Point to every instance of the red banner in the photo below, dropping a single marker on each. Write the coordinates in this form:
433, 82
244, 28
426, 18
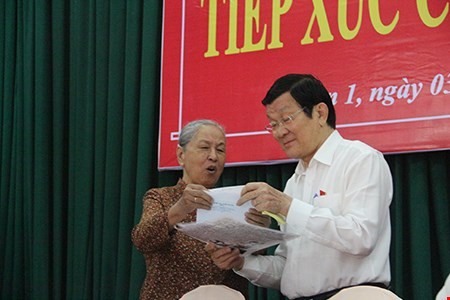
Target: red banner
385, 63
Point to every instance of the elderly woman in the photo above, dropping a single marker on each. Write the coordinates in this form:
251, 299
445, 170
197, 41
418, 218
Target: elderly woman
175, 262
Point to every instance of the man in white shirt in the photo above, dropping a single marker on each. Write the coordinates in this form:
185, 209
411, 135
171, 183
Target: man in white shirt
337, 201
444, 292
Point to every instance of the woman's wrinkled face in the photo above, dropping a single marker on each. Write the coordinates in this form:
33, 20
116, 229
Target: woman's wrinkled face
203, 158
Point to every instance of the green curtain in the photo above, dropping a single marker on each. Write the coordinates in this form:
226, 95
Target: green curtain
79, 115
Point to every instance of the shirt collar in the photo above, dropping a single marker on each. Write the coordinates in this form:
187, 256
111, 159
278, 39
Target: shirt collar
325, 153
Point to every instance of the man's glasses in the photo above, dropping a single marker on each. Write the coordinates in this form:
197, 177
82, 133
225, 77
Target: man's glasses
275, 125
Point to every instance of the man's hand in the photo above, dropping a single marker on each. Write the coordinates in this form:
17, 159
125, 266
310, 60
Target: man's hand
265, 198
255, 217
225, 258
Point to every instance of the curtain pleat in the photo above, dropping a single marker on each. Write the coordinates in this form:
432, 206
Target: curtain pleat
420, 223
147, 145
8, 162
79, 119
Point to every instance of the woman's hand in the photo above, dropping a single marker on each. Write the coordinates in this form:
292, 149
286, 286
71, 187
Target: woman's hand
194, 196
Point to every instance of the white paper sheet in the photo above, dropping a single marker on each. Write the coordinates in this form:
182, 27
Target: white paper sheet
224, 205
225, 224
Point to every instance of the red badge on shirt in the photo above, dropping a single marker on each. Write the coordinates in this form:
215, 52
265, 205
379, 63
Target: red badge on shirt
322, 193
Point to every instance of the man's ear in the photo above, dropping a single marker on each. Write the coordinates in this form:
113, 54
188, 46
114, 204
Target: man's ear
322, 110
180, 155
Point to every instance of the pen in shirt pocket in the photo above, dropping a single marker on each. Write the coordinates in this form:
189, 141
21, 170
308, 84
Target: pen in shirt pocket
314, 197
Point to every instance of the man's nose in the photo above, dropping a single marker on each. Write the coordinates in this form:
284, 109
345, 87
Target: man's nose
280, 131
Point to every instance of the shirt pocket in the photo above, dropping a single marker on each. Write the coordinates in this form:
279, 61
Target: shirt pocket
330, 201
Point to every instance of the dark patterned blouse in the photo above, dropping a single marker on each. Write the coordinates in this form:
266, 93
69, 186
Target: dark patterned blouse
175, 262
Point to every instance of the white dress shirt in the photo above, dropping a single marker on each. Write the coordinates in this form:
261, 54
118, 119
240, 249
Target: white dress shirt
341, 212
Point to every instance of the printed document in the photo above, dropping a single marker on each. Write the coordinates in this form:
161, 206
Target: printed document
224, 224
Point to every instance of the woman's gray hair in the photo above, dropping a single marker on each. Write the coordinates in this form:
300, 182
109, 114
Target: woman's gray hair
190, 130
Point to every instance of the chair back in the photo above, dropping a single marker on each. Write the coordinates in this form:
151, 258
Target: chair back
365, 292
213, 292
